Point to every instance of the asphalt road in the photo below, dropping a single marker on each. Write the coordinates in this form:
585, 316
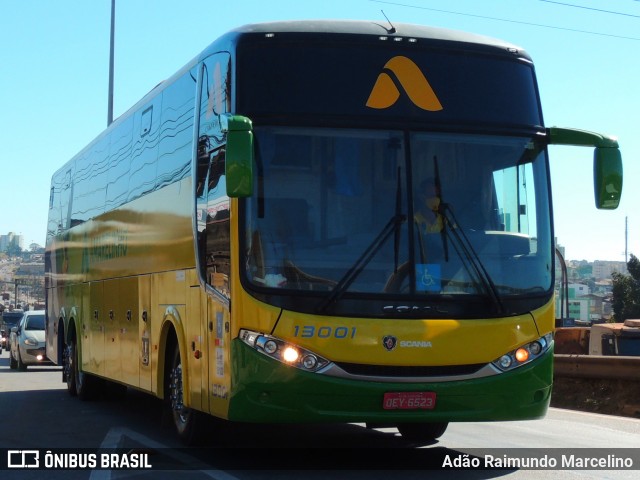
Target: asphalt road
38, 414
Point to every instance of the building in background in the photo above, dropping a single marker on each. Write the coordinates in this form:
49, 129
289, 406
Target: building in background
10, 239
603, 269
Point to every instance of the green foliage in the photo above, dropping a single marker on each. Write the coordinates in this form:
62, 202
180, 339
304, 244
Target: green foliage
626, 292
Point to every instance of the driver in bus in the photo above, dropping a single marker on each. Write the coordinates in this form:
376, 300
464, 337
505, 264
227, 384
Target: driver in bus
427, 214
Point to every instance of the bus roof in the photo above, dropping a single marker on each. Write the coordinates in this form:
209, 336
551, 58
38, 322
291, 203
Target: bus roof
434, 35
361, 27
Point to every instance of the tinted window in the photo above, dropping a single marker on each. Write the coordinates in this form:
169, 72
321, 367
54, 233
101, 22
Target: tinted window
35, 322
119, 161
176, 131
142, 172
425, 85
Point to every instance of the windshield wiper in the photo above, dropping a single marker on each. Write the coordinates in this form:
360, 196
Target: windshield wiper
364, 259
465, 251
464, 248
393, 226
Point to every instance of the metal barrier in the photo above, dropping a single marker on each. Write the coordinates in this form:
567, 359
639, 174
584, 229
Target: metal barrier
597, 366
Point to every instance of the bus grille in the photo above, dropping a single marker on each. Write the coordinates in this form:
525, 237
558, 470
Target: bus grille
411, 371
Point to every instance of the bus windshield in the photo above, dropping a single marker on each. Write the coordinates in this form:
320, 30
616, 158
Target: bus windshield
342, 215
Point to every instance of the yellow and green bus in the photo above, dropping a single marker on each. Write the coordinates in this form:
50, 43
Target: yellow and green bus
319, 221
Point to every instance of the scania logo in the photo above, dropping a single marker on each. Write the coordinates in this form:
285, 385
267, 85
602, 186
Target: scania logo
389, 342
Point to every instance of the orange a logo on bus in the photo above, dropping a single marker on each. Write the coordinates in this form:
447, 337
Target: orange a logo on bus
404, 72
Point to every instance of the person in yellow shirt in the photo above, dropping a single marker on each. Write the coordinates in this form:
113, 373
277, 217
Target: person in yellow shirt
427, 214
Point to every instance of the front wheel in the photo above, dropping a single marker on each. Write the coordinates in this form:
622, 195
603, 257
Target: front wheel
13, 364
185, 420
21, 365
422, 432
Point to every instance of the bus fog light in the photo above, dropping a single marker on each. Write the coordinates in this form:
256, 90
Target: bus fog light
505, 361
290, 355
270, 347
535, 348
309, 362
282, 351
524, 354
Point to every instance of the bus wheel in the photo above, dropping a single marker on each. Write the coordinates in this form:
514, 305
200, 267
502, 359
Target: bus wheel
68, 365
83, 385
185, 420
422, 432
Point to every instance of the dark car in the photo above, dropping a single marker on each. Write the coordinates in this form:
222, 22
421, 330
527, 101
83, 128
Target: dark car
8, 320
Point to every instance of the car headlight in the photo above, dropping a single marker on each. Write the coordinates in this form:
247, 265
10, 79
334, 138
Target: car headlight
285, 352
31, 342
524, 354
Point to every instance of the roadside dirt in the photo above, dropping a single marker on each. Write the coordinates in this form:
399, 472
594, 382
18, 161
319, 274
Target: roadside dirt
610, 397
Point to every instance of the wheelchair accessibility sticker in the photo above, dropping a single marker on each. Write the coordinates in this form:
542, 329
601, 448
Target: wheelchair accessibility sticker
428, 277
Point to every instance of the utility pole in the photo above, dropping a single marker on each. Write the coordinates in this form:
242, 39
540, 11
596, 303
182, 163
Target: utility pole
110, 94
626, 239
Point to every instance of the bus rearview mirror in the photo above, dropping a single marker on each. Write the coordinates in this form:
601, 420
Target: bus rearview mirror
607, 177
607, 162
239, 155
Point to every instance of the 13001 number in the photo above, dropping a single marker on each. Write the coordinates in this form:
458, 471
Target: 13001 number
311, 331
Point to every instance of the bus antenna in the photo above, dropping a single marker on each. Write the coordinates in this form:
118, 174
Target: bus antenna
389, 30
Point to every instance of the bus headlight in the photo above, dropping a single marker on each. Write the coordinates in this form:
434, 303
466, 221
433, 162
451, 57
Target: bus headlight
284, 352
524, 354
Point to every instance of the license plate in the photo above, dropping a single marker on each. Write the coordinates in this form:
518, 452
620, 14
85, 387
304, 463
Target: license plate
409, 401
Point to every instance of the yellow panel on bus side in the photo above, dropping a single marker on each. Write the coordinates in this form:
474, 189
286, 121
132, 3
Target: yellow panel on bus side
195, 344
168, 293
219, 347
94, 354
127, 319
144, 329
112, 364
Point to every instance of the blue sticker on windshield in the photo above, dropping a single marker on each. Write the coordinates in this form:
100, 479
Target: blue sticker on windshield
428, 277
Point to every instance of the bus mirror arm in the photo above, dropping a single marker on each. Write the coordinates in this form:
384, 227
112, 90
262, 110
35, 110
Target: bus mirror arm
607, 162
239, 155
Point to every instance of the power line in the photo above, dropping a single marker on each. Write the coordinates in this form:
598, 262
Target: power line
531, 24
590, 8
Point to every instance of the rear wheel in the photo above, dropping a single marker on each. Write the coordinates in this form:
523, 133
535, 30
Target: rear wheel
83, 385
422, 432
185, 420
68, 364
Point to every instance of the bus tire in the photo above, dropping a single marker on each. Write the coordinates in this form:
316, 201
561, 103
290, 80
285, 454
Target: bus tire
185, 420
80, 384
422, 432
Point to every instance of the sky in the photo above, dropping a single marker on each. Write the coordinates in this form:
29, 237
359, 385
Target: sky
54, 81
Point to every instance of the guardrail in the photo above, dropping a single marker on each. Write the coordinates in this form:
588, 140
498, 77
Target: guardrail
597, 367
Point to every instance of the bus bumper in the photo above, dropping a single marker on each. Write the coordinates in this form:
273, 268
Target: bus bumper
264, 390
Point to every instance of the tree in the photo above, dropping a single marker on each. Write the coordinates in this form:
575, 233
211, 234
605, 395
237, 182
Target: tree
626, 292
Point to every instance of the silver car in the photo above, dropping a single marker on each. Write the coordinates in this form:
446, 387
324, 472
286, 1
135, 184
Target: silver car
28, 342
